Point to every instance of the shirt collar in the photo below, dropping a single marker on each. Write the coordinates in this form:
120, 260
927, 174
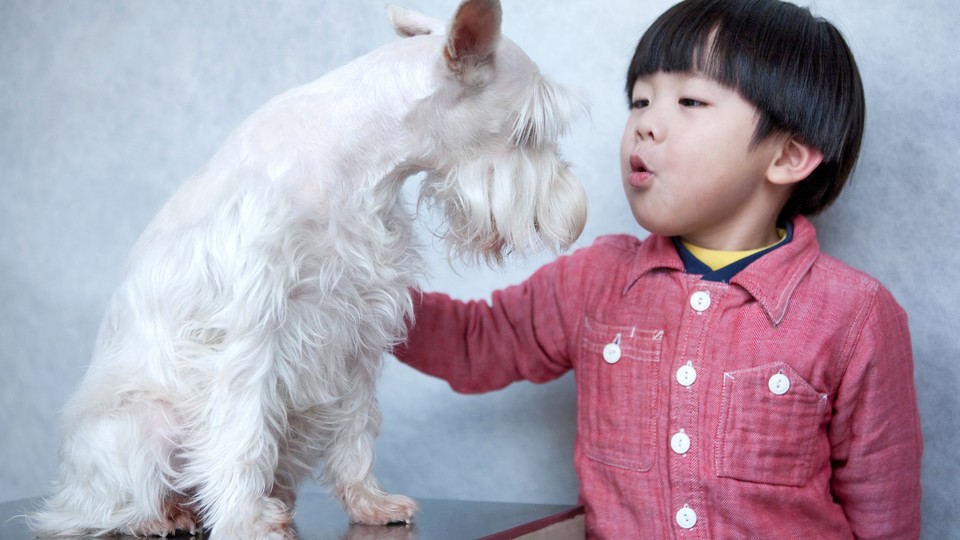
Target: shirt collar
771, 279
693, 265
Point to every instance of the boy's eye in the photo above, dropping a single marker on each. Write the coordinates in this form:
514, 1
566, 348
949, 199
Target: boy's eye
639, 103
690, 102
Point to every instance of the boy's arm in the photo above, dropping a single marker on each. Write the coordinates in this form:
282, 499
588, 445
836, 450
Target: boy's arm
479, 347
875, 432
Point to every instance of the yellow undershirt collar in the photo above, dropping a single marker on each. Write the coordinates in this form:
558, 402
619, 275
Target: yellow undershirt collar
717, 259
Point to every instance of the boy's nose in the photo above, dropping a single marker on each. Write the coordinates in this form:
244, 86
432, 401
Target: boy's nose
649, 127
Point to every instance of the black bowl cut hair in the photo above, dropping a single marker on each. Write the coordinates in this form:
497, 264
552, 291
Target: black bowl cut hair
795, 68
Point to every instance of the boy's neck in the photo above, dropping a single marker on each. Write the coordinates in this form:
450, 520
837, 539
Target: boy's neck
742, 239
717, 259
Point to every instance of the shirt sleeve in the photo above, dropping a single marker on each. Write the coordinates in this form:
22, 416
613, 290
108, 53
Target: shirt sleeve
522, 334
875, 432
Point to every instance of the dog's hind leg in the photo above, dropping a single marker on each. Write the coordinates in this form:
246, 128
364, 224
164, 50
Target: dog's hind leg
349, 459
115, 469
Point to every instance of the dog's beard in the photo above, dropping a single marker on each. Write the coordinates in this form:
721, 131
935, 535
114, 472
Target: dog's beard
520, 200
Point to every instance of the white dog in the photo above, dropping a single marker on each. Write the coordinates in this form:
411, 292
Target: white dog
243, 344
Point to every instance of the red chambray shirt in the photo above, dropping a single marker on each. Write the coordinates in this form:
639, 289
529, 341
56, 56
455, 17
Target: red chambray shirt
780, 405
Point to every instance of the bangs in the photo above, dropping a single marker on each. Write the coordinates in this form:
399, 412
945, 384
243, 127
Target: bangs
677, 42
774, 54
796, 69
720, 41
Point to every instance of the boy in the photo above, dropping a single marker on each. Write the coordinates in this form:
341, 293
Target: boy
732, 381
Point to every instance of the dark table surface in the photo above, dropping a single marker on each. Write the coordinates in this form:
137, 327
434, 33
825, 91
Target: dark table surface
320, 518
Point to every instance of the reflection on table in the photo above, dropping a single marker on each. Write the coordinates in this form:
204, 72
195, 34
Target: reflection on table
320, 518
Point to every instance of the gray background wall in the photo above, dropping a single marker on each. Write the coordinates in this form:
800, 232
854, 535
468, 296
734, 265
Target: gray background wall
107, 105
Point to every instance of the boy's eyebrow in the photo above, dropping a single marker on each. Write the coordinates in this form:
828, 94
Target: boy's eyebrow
700, 78
694, 76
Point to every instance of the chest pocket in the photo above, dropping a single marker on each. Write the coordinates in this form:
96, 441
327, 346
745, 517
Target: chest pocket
769, 424
618, 394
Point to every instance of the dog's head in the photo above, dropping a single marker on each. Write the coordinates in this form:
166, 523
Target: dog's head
487, 137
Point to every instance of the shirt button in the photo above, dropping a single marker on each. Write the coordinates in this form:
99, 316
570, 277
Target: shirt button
700, 301
686, 517
686, 375
680, 443
611, 353
779, 384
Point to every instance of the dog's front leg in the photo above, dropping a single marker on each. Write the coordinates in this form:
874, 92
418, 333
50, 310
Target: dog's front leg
232, 450
349, 459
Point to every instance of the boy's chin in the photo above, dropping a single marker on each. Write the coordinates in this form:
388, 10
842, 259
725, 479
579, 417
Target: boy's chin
650, 224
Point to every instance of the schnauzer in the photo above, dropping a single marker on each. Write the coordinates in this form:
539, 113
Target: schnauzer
243, 344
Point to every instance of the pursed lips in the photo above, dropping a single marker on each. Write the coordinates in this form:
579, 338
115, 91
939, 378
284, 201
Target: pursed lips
640, 174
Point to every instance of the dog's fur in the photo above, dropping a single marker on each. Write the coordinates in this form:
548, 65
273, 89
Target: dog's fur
243, 344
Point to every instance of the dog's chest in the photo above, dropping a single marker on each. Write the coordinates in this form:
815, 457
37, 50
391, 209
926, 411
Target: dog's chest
349, 303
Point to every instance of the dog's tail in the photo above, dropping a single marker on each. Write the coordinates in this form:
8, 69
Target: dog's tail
64, 515
59, 517
82, 509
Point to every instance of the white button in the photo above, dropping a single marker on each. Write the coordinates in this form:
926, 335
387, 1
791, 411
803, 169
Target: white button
686, 375
680, 443
686, 517
700, 301
611, 353
779, 384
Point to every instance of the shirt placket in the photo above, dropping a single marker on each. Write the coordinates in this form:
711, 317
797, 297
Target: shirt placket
687, 391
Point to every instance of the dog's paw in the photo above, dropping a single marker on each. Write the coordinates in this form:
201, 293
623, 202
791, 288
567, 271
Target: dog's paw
378, 508
266, 519
166, 527
258, 531
179, 517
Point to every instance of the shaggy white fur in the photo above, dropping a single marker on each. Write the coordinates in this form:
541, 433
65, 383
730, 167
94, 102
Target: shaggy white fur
243, 345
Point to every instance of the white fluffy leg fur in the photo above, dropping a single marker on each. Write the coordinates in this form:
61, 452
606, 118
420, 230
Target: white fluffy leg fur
349, 461
117, 470
228, 464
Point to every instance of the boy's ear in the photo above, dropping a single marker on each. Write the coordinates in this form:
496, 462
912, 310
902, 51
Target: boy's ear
794, 162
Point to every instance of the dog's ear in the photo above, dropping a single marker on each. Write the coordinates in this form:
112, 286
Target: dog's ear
408, 23
473, 35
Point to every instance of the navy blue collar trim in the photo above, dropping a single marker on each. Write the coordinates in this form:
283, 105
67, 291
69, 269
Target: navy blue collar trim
693, 265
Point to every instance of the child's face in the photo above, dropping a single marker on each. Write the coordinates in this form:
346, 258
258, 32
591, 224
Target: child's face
689, 168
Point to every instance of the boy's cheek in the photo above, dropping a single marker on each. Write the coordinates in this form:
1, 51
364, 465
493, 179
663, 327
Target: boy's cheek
626, 148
